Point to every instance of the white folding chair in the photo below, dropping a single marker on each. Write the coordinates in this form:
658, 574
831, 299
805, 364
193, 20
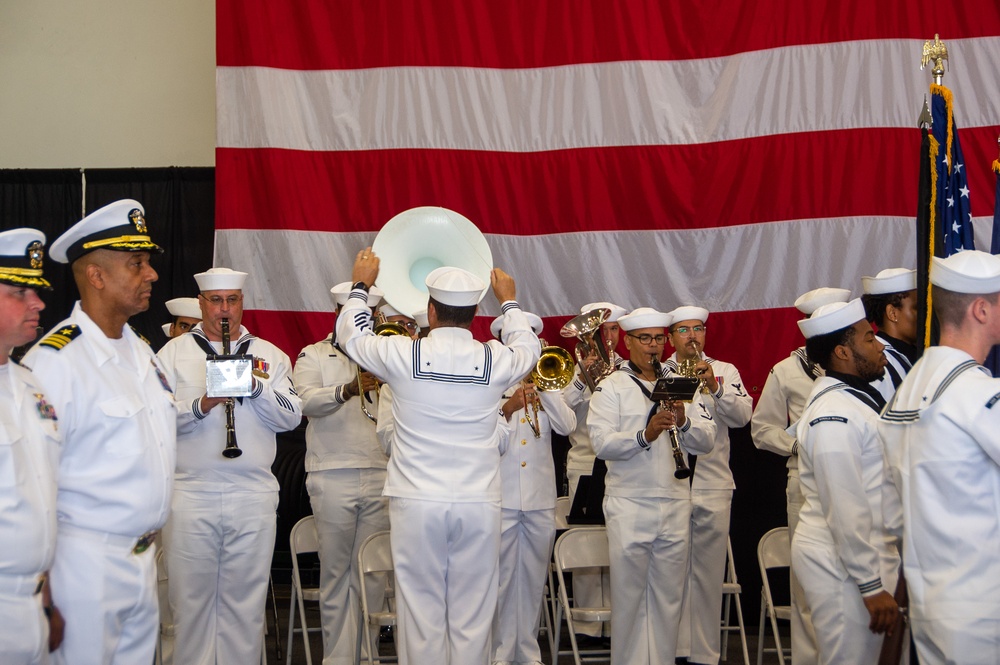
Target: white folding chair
580, 547
773, 551
303, 540
549, 601
374, 556
731, 589
562, 512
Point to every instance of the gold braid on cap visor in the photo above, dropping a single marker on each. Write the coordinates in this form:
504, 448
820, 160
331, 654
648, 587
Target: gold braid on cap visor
136, 241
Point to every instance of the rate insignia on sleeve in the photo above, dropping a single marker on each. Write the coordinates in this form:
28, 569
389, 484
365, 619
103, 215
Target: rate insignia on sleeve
61, 337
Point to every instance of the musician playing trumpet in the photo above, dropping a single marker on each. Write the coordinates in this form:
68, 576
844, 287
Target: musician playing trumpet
712, 483
647, 508
528, 501
221, 530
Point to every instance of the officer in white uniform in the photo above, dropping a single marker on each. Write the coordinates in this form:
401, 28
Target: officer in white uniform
647, 509
591, 588
528, 525
29, 456
186, 313
117, 421
346, 474
444, 472
712, 485
841, 552
221, 531
943, 455
890, 300
779, 405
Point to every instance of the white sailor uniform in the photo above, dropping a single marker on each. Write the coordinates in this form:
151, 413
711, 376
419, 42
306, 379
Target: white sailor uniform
29, 456
443, 475
779, 405
841, 550
528, 527
711, 503
220, 536
346, 475
117, 421
896, 368
648, 514
943, 457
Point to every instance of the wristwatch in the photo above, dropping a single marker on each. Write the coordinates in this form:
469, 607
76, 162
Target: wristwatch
360, 285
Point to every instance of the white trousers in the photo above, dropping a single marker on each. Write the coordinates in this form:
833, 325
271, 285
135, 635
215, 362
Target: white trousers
24, 630
699, 637
107, 595
838, 611
957, 641
446, 560
805, 645
348, 507
591, 586
526, 539
218, 552
648, 547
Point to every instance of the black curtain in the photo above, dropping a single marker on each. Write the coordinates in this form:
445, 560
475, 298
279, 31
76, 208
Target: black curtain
180, 214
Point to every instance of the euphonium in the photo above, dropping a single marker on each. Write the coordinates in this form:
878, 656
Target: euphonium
383, 328
681, 469
232, 449
587, 329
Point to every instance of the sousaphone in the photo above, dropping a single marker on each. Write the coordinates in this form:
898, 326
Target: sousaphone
418, 240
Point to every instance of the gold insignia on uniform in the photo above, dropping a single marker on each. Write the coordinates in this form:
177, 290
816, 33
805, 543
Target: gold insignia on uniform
36, 252
135, 216
60, 338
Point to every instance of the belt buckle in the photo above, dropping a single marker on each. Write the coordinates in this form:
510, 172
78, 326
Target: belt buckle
144, 542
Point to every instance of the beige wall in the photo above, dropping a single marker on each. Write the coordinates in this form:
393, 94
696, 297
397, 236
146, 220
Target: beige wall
107, 83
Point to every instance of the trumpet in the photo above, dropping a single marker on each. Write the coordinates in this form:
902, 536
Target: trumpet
553, 371
587, 329
531, 399
687, 366
383, 328
681, 469
232, 449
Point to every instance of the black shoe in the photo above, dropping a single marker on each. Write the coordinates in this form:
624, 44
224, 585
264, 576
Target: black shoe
385, 634
590, 642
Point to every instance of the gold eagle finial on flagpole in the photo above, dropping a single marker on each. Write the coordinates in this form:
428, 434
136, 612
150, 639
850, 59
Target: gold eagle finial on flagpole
934, 53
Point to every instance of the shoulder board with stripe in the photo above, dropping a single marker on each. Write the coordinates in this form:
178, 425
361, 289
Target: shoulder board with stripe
61, 337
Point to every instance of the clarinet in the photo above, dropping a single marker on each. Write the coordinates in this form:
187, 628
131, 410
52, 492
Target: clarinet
681, 471
232, 449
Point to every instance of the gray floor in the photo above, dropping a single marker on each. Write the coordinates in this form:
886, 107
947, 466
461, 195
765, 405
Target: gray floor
282, 593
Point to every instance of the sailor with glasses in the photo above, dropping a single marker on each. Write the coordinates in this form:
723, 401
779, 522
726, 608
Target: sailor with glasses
647, 508
221, 531
711, 484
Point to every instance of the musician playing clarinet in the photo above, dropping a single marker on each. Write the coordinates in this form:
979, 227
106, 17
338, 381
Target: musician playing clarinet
647, 505
221, 530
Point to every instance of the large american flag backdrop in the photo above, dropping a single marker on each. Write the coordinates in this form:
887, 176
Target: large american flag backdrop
731, 154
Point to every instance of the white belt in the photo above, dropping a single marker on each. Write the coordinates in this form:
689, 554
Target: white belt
135, 544
21, 585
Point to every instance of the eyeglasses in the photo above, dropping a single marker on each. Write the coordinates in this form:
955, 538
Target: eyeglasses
646, 338
684, 330
216, 301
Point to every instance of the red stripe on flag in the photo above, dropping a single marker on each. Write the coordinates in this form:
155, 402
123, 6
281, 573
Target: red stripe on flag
771, 333
776, 178
323, 34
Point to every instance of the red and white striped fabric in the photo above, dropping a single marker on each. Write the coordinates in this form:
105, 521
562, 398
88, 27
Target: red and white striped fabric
726, 154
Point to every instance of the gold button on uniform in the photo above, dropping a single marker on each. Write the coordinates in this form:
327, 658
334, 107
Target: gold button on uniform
522, 420
524, 464
524, 442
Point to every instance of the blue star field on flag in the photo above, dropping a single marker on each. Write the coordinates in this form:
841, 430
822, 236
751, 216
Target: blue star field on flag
954, 214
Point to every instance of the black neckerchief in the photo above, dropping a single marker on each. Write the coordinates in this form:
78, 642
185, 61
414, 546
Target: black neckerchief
910, 352
856, 385
812, 370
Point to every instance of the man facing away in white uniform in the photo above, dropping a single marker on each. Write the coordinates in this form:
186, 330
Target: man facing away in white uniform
116, 417
220, 536
841, 552
346, 475
712, 485
443, 479
29, 457
779, 405
942, 451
